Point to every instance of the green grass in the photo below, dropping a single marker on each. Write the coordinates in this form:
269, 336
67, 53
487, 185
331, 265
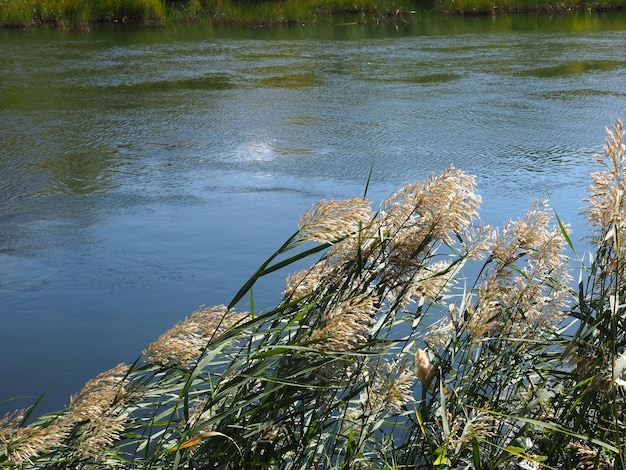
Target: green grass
495, 6
383, 353
270, 12
79, 14
526, 6
83, 14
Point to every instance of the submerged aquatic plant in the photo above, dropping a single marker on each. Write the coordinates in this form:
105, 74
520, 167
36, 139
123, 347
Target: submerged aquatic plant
381, 354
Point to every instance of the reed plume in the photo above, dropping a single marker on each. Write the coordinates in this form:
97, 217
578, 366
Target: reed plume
330, 221
606, 208
347, 325
95, 417
525, 291
186, 340
21, 445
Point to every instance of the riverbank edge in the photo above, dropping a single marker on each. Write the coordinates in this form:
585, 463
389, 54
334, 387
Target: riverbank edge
149, 14
495, 7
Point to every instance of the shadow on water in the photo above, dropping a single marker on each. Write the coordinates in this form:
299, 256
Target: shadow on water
209, 81
575, 67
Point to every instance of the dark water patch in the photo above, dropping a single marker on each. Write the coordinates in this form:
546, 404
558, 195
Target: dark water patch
78, 173
216, 81
290, 80
435, 78
573, 68
548, 159
246, 189
577, 94
303, 120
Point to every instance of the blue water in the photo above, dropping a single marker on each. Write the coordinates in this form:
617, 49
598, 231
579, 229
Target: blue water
146, 173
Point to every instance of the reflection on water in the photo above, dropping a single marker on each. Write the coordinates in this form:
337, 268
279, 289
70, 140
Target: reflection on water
145, 173
205, 82
575, 67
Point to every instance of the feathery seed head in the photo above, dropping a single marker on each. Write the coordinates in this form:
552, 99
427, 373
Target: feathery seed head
97, 435
606, 210
330, 221
20, 445
445, 204
10, 422
185, 341
424, 367
416, 220
526, 290
98, 395
440, 334
399, 385
466, 427
318, 278
431, 281
94, 409
476, 242
607, 206
390, 389
346, 326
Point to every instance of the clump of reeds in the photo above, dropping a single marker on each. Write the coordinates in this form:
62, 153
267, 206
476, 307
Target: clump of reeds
86, 431
494, 7
82, 14
274, 12
382, 354
79, 14
591, 401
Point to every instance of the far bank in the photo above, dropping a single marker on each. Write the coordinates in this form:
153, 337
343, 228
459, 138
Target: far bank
84, 14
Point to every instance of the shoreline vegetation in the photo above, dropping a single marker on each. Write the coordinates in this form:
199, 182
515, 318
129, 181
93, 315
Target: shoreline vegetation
83, 14
383, 353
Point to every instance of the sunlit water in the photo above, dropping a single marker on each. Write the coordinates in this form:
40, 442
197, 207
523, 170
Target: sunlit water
146, 173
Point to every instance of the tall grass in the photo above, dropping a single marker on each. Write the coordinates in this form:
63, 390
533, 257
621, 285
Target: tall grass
79, 14
82, 14
525, 6
268, 12
382, 353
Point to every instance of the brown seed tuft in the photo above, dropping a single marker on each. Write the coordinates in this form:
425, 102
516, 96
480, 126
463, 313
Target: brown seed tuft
186, 340
346, 326
331, 221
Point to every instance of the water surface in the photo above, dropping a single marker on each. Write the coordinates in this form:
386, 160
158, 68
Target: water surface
146, 173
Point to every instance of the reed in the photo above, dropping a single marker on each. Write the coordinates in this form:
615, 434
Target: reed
525, 6
270, 12
17, 13
78, 14
382, 353
82, 14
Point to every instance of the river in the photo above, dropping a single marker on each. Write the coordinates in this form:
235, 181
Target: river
144, 173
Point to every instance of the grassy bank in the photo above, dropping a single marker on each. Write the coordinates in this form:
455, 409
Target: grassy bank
382, 353
526, 6
78, 14
82, 14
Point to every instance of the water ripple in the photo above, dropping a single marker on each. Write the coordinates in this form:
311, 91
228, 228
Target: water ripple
150, 171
